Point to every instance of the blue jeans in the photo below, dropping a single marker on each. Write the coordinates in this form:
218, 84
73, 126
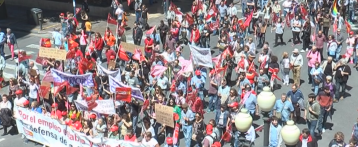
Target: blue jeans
351, 15
134, 123
137, 16
236, 139
338, 52
187, 132
2, 53
312, 124
315, 86
99, 55
213, 102
201, 94
243, 8
322, 119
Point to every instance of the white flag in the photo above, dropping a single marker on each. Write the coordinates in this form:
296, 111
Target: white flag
201, 56
115, 74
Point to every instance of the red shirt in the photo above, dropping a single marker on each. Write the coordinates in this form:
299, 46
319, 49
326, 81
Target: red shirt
148, 43
98, 44
110, 53
58, 113
132, 139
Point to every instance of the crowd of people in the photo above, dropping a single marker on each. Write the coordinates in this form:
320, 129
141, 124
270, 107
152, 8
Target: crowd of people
165, 77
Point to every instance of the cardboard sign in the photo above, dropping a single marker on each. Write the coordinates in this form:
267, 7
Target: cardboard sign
164, 115
124, 94
131, 47
53, 53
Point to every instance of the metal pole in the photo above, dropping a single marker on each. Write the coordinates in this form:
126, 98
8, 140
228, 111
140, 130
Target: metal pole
74, 8
266, 119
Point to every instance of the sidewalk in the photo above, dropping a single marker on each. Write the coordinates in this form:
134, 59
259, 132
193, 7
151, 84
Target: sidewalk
17, 21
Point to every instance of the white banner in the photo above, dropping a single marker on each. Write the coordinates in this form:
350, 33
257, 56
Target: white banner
113, 84
103, 106
50, 132
115, 74
201, 56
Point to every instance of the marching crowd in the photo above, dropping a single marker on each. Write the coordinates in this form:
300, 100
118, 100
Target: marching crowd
165, 77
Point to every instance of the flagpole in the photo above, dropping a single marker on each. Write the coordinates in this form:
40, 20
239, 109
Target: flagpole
116, 45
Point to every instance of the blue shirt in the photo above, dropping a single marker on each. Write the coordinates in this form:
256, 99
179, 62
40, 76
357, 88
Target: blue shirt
182, 87
38, 109
198, 82
250, 103
319, 71
285, 108
225, 91
163, 82
243, 83
189, 114
295, 96
57, 38
2, 38
275, 135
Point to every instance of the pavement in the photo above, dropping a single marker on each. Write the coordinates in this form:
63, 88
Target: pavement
344, 111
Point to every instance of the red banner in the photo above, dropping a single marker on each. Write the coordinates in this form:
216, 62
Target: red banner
123, 94
44, 90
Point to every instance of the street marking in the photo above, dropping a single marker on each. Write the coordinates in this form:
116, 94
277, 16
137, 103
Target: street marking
2, 139
33, 46
8, 76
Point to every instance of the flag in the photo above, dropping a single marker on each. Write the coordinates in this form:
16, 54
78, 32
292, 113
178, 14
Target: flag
186, 67
138, 55
226, 136
70, 89
78, 10
274, 72
241, 24
348, 26
176, 133
44, 90
216, 59
72, 44
248, 20
41, 60
190, 97
335, 26
288, 18
47, 77
157, 70
197, 107
173, 86
22, 56
59, 87
304, 12
129, 2
122, 54
175, 9
189, 18
150, 31
215, 25
201, 56
111, 20
334, 9
124, 94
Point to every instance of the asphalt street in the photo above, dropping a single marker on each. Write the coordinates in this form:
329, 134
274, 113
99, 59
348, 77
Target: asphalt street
344, 112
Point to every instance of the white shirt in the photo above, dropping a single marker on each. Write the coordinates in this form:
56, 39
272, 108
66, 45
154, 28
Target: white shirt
33, 88
18, 101
119, 13
151, 130
7, 104
151, 143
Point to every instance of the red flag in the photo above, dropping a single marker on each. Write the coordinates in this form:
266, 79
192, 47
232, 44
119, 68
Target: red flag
44, 90
123, 55
91, 102
145, 105
71, 55
303, 12
173, 87
190, 97
348, 26
138, 55
150, 31
288, 18
190, 19
248, 20
59, 87
72, 44
274, 72
78, 10
129, 2
111, 20
215, 25
226, 136
176, 133
48, 77
22, 56
335, 27
70, 89
124, 94
41, 60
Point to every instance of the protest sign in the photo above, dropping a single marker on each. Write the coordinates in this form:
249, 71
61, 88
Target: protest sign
164, 115
123, 94
131, 47
115, 74
113, 84
51, 132
59, 77
58, 54
103, 106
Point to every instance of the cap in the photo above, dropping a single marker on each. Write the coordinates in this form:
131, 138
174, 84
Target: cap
216, 144
234, 104
209, 129
197, 72
18, 92
111, 57
73, 115
185, 105
169, 140
64, 113
114, 128
54, 105
78, 126
93, 116
62, 14
88, 54
351, 33
26, 102
252, 54
295, 50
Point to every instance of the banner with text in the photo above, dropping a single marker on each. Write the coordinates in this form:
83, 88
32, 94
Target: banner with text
113, 84
59, 77
48, 131
103, 106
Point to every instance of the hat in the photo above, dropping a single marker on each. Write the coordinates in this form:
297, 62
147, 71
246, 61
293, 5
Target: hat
209, 129
62, 14
26, 102
351, 33
64, 113
93, 116
18, 92
114, 128
73, 115
197, 72
169, 140
111, 57
295, 50
88, 54
216, 144
54, 105
234, 104
329, 77
184, 106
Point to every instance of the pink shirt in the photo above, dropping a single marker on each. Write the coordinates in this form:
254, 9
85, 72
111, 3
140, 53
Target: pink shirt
350, 41
315, 57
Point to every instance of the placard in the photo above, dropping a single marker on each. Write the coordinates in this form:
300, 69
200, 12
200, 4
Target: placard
164, 115
131, 47
58, 54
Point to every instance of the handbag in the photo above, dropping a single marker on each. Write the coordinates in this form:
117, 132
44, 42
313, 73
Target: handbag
279, 114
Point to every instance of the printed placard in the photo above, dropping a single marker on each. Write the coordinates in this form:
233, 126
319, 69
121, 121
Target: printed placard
58, 54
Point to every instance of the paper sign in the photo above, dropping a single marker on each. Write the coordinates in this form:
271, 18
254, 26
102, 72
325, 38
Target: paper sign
164, 115
131, 47
53, 53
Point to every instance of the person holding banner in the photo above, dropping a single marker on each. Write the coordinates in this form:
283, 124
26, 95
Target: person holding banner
114, 133
5, 114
